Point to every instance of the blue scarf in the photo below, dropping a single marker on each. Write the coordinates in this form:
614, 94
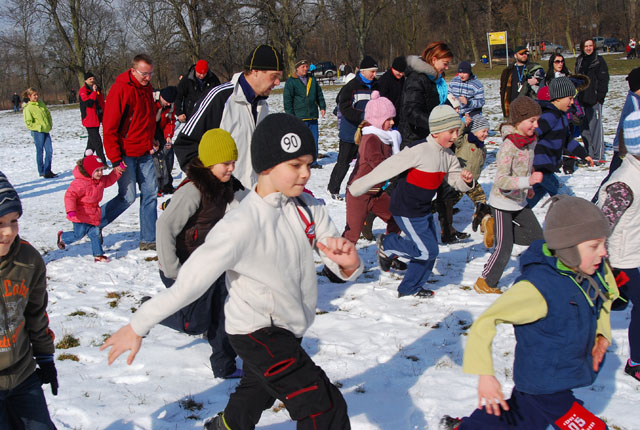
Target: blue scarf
473, 139
366, 81
443, 89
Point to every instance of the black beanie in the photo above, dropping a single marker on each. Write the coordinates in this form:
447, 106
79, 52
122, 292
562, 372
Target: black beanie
88, 75
9, 200
169, 94
368, 63
399, 64
280, 137
264, 57
634, 79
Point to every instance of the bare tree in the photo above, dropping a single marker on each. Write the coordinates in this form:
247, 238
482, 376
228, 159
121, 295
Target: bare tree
20, 14
361, 14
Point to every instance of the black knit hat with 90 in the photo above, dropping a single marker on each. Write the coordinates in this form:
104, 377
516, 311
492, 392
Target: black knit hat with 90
264, 57
280, 137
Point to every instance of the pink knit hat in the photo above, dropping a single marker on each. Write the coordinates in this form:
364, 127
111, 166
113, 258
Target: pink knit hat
91, 163
378, 110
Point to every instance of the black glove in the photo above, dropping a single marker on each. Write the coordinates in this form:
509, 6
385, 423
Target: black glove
47, 372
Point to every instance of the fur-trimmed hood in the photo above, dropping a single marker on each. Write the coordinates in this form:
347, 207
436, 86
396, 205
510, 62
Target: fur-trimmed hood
580, 81
418, 65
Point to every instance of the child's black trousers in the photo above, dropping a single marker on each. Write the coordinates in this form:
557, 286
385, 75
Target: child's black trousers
276, 367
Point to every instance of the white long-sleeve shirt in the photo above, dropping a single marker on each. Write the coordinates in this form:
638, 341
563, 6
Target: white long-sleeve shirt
269, 264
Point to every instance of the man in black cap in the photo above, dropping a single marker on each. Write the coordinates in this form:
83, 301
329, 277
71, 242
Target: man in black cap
236, 106
513, 79
91, 108
391, 82
352, 99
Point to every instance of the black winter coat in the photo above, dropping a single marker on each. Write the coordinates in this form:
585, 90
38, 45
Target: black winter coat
391, 88
419, 97
598, 74
189, 91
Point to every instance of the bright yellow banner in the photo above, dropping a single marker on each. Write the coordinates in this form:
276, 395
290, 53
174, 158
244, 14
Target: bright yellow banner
498, 38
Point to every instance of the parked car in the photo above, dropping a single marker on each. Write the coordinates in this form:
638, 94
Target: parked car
501, 53
613, 44
325, 69
599, 40
551, 48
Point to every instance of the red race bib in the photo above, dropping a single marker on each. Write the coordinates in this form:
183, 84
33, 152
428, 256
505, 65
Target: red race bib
578, 418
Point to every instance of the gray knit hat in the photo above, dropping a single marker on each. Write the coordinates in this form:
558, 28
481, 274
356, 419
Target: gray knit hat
523, 108
570, 221
479, 122
443, 118
561, 87
9, 199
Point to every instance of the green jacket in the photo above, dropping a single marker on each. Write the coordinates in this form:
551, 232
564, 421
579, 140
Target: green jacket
37, 117
470, 156
24, 324
303, 100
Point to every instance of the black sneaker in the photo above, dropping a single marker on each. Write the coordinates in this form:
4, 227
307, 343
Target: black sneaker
422, 293
50, 175
398, 265
216, 423
384, 262
633, 371
449, 423
460, 235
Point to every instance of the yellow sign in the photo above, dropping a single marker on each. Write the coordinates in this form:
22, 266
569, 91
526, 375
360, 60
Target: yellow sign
498, 38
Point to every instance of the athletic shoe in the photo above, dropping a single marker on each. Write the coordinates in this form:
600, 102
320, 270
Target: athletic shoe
399, 265
460, 235
633, 371
449, 423
50, 175
384, 262
422, 293
147, 246
332, 276
61, 244
216, 423
336, 196
482, 287
488, 224
101, 259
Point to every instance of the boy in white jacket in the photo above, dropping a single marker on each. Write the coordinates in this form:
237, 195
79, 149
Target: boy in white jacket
266, 248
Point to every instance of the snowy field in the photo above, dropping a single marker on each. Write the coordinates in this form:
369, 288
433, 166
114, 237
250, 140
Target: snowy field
397, 361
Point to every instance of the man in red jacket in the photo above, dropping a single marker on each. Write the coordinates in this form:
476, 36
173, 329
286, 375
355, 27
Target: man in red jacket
91, 109
128, 127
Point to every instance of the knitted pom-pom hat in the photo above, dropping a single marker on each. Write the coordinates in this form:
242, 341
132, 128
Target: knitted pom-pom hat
378, 110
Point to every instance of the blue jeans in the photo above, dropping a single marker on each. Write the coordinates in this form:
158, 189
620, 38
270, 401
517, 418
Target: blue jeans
25, 407
420, 245
313, 126
139, 171
16, 108
81, 230
549, 184
43, 143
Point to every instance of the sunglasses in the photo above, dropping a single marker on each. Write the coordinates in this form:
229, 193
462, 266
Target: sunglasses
558, 61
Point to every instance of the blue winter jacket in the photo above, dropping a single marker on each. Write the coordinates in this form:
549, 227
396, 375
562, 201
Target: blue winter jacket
554, 353
553, 136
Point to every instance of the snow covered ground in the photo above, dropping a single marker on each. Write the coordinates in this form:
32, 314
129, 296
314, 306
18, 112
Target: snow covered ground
398, 361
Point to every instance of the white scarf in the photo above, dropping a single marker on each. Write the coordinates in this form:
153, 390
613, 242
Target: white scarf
391, 137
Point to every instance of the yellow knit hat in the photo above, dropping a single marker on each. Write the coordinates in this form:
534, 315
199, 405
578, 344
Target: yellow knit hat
217, 146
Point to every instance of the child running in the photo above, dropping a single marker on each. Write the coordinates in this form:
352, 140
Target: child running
559, 307
26, 341
376, 142
513, 220
266, 247
82, 203
198, 204
428, 163
620, 203
554, 135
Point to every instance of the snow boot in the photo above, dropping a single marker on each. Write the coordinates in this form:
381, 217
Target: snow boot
449, 423
482, 287
101, 259
61, 244
367, 226
482, 209
488, 224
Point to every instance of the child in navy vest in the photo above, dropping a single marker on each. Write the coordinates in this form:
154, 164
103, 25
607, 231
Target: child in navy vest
559, 307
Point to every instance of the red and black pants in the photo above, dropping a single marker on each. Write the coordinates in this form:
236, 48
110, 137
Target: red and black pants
276, 367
